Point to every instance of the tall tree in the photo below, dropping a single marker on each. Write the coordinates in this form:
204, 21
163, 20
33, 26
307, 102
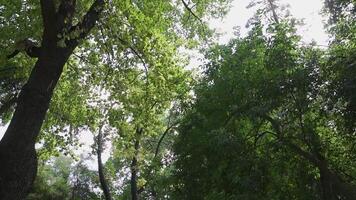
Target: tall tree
63, 26
259, 107
17, 147
101, 171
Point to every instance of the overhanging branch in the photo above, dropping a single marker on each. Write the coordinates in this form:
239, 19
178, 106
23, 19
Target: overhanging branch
28, 46
276, 126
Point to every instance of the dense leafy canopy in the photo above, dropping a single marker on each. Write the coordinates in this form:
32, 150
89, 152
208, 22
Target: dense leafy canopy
267, 118
270, 119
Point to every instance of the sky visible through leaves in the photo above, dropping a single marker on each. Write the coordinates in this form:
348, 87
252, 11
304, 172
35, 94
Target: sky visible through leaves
312, 30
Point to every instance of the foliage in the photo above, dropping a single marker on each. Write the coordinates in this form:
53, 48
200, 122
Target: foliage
269, 118
260, 109
60, 179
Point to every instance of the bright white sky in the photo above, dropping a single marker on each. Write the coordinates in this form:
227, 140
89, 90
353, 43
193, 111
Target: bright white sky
309, 10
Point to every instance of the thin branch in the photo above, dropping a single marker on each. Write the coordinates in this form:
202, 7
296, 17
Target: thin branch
81, 58
163, 136
13, 54
132, 49
275, 16
191, 11
292, 146
109, 51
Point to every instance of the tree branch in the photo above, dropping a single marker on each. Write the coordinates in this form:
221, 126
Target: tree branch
190, 11
88, 21
307, 155
28, 46
48, 11
163, 136
273, 7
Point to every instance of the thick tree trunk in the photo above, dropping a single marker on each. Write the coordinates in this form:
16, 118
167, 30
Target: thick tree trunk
17, 148
102, 179
18, 161
333, 186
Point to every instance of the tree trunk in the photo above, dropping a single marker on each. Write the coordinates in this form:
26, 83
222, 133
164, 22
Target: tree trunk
134, 170
17, 148
333, 186
18, 158
134, 166
102, 179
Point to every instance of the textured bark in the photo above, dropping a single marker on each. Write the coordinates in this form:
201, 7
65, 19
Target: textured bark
18, 159
102, 179
17, 148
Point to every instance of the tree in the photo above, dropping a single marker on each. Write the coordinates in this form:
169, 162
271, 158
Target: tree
139, 114
17, 147
341, 62
64, 24
259, 109
52, 181
60, 178
84, 183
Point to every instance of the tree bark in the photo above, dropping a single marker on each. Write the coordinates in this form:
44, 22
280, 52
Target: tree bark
134, 166
17, 148
18, 158
102, 179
